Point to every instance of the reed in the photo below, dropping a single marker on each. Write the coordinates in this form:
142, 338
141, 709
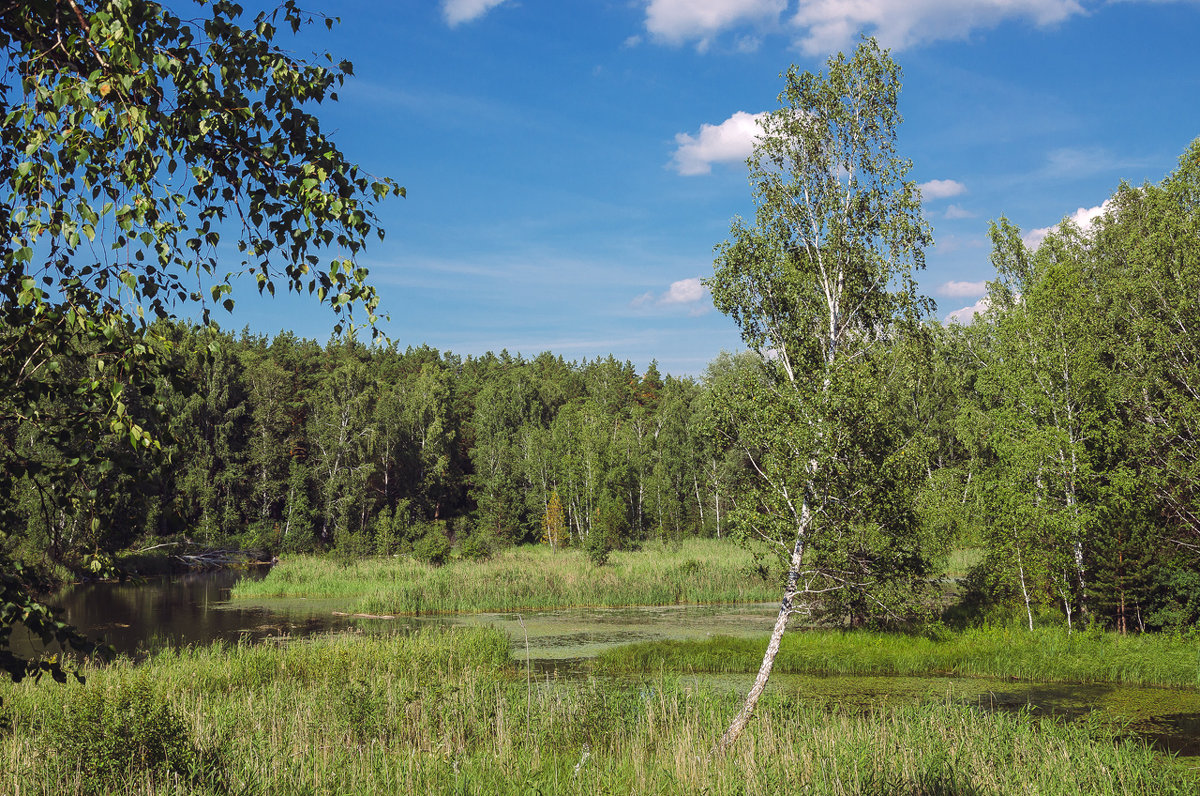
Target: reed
697, 571
446, 711
1049, 655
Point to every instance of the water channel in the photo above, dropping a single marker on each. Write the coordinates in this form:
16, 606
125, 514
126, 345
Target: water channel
195, 609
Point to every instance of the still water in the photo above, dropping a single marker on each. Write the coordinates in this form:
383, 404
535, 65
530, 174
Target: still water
195, 609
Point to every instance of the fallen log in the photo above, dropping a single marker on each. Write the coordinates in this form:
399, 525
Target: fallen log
364, 616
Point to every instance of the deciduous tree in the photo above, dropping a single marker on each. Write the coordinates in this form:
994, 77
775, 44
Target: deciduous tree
819, 284
136, 141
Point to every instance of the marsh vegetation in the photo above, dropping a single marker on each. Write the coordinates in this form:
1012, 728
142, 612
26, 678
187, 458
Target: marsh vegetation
447, 711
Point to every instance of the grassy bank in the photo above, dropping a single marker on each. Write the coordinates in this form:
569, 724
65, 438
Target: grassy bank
446, 712
524, 578
1045, 655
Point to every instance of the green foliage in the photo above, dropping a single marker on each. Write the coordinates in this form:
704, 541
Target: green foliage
433, 547
112, 737
476, 545
441, 711
18, 606
1176, 604
1076, 417
131, 135
823, 290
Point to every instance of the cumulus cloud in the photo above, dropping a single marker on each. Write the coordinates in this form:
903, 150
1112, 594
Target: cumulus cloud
688, 293
957, 289
829, 25
941, 189
967, 314
956, 211
731, 140
676, 21
1083, 218
457, 12
821, 27
685, 291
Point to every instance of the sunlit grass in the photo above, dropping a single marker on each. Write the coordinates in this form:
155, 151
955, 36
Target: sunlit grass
1043, 655
962, 560
698, 571
442, 712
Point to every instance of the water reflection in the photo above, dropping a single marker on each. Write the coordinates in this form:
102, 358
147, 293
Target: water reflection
172, 611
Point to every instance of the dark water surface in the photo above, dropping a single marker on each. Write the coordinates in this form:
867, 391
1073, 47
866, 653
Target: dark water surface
195, 609
174, 611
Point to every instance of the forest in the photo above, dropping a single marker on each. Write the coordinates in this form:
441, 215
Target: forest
1056, 435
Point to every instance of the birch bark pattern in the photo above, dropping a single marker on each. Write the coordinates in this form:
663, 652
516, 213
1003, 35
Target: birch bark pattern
740, 721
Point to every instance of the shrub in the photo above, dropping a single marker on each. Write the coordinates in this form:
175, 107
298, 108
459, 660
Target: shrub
112, 736
477, 546
433, 547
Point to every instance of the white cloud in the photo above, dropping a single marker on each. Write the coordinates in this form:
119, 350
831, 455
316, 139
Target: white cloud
457, 12
957, 289
676, 21
1034, 237
830, 25
941, 189
822, 27
689, 293
685, 291
1083, 218
956, 211
967, 314
731, 140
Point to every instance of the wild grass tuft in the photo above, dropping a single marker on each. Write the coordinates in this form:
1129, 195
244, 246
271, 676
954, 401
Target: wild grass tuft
525, 578
1049, 655
446, 711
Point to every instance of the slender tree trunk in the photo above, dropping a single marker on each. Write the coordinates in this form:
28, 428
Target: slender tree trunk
768, 662
1066, 598
1024, 588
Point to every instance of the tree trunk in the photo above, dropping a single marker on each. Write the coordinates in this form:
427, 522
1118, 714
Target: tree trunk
1024, 589
768, 662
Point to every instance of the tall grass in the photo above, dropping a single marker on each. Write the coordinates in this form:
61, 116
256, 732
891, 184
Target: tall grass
442, 712
525, 578
1045, 655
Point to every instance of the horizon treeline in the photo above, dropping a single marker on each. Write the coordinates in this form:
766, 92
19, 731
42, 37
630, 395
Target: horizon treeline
1058, 434
288, 445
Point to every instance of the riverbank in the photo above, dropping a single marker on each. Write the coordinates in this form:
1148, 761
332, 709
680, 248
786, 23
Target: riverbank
1048, 655
697, 571
448, 711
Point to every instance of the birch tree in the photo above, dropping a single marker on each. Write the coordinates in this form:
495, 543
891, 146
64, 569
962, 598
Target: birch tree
817, 283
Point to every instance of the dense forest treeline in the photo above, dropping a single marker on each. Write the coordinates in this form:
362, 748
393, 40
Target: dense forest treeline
289, 445
1059, 433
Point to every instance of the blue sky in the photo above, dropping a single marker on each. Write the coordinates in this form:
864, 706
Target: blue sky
571, 165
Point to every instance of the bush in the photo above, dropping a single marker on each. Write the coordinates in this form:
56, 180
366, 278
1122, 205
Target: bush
477, 546
597, 546
433, 547
112, 736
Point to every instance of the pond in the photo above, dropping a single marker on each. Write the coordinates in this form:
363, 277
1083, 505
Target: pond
194, 609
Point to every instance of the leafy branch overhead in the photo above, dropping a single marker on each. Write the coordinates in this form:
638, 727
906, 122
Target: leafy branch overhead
134, 141
137, 143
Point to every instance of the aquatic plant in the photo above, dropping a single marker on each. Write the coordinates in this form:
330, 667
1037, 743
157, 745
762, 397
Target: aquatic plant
447, 711
694, 572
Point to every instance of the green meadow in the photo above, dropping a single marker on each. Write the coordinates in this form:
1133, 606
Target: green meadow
695, 571
1047, 655
448, 712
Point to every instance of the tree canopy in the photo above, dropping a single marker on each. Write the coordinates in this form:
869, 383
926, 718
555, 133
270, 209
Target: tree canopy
822, 286
138, 141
